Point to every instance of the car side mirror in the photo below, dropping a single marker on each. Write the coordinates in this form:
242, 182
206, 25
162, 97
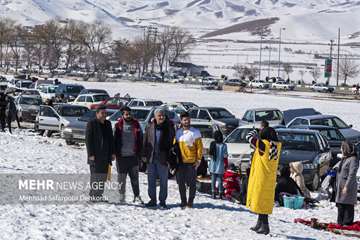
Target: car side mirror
350, 126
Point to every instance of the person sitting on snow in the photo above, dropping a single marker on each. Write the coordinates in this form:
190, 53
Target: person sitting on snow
285, 185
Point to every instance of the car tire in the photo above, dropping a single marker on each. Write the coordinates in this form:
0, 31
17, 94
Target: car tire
69, 142
315, 184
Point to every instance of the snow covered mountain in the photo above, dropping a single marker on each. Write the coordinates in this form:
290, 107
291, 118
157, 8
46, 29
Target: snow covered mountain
304, 20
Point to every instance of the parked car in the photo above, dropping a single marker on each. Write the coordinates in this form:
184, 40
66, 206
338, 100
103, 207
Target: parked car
31, 92
90, 91
259, 84
47, 91
87, 100
308, 147
111, 103
70, 91
239, 150
347, 131
23, 84
226, 121
144, 115
322, 87
333, 136
235, 82
145, 103
283, 85
27, 107
290, 114
55, 118
188, 105
75, 131
254, 116
151, 77
207, 130
211, 86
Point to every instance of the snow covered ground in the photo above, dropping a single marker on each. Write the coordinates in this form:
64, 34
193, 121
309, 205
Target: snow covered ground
25, 152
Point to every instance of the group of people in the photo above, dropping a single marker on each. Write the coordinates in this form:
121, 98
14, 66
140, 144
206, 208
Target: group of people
163, 148
8, 111
168, 150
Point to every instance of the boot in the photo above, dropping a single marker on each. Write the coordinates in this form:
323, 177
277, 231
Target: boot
264, 229
257, 226
213, 195
221, 196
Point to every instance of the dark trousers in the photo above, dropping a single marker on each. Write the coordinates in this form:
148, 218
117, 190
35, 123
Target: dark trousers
345, 214
97, 181
9, 120
2, 119
157, 170
128, 169
263, 218
186, 176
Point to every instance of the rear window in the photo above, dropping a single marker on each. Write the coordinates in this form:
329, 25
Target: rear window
298, 141
332, 135
154, 103
100, 98
73, 111
30, 101
73, 89
271, 115
238, 136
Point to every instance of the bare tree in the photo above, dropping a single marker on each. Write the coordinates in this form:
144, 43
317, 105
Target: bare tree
165, 43
315, 73
348, 69
288, 69
182, 40
243, 72
6, 27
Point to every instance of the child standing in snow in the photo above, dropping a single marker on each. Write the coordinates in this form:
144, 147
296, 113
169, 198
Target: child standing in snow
218, 152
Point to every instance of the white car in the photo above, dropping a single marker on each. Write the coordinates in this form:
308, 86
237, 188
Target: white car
322, 87
254, 116
259, 84
283, 85
239, 150
145, 103
87, 100
47, 91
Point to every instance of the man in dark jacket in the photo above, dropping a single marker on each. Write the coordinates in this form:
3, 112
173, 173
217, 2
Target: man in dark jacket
3, 104
128, 145
11, 112
158, 140
100, 149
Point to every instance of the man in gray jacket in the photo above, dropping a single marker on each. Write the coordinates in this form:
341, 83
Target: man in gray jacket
346, 184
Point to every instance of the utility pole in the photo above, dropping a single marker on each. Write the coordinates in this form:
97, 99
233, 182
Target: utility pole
261, 37
280, 52
338, 60
269, 60
331, 49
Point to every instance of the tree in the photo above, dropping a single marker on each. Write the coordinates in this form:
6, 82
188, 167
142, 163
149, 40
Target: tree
243, 72
315, 73
182, 40
164, 45
348, 69
288, 69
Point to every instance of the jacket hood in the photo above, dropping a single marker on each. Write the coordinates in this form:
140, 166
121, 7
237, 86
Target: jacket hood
297, 167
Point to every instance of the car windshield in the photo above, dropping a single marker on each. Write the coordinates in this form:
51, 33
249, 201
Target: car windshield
298, 141
30, 101
154, 103
100, 98
238, 136
52, 89
270, 115
205, 130
220, 113
73, 111
73, 89
331, 122
25, 84
331, 134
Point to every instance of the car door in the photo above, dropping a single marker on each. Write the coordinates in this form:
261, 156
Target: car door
193, 113
204, 115
89, 101
49, 119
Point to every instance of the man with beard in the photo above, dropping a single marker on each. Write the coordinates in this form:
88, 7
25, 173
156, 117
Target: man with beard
100, 149
128, 145
158, 140
191, 147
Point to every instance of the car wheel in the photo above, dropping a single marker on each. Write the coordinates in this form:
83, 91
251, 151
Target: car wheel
315, 184
69, 142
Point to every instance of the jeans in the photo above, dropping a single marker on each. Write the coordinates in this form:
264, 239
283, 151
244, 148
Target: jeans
134, 179
217, 178
186, 176
156, 170
345, 214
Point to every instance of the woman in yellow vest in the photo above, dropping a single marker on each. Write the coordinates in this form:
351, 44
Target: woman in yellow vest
263, 173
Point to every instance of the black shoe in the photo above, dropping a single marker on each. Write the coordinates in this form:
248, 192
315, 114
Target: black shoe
264, 229
221, 196
213, 196
256, 227
183, 205
139, 200
150, 204
163, 206
190, 205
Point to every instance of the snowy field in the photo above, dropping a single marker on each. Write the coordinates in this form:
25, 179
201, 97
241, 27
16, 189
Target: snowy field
25, 152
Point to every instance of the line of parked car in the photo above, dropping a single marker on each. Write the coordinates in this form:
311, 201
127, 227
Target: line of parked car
307, 135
